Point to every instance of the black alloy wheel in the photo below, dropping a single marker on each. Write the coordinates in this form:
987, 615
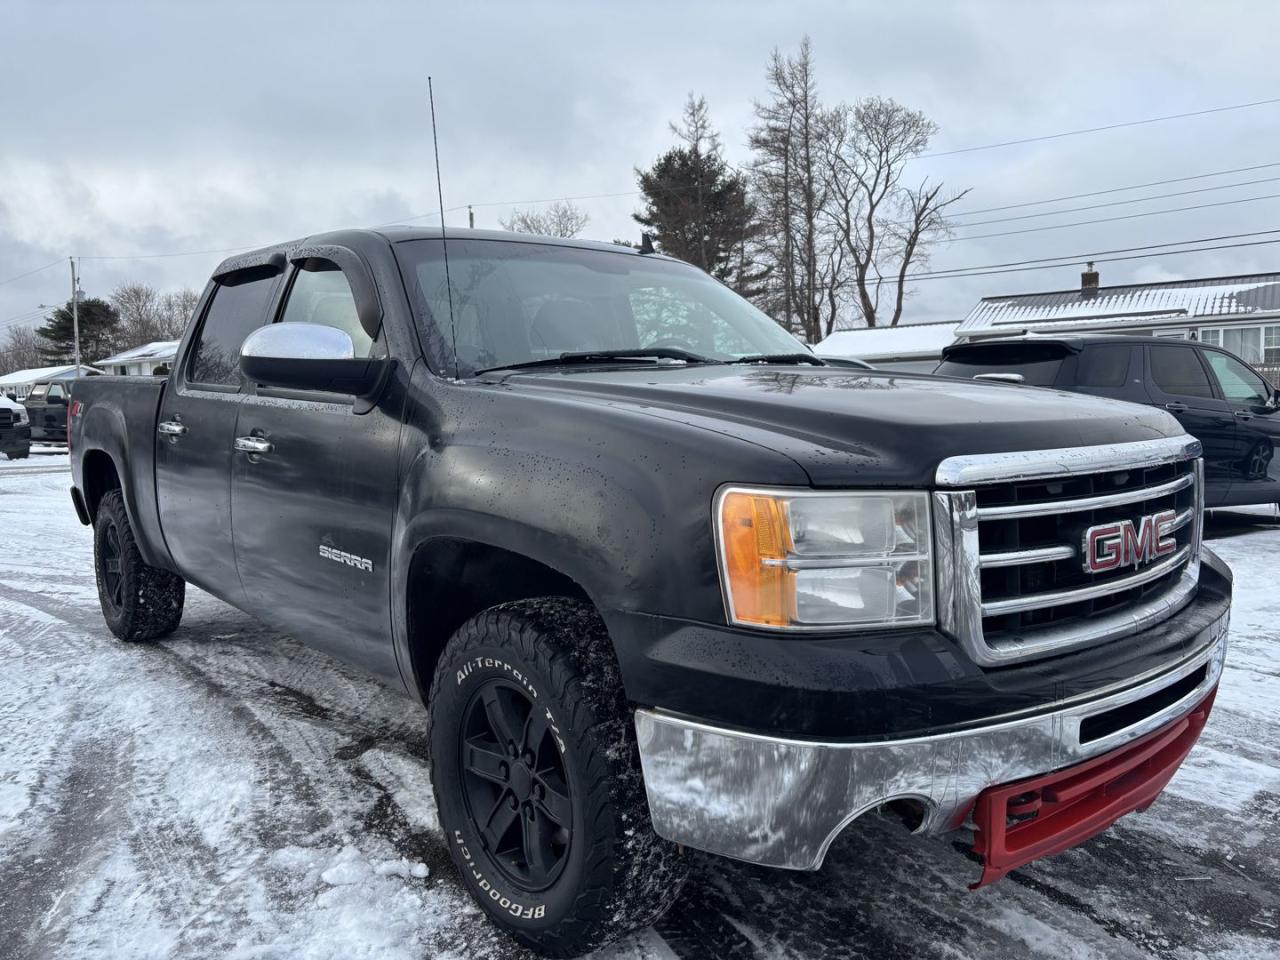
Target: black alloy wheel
514, 785
112, 572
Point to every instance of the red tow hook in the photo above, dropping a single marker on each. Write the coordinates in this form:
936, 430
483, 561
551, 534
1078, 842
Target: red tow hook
1038, 817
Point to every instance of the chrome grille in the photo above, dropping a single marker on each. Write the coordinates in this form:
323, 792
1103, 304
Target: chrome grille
1012, 582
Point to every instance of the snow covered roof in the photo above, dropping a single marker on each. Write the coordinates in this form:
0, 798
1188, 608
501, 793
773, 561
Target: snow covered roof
923, 340
156, 350
1142, 304
40, 374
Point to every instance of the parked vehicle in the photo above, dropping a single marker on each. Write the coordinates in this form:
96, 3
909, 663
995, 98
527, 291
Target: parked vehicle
47, 409
15, 431
1218, 398
659, 575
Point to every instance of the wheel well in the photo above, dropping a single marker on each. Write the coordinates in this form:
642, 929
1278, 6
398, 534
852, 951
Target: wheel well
451, 580
100, 475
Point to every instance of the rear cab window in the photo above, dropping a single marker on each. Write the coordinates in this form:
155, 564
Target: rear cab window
1038, 364
239, 307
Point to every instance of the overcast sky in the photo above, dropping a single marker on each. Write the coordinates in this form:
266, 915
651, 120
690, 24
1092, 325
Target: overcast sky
132, 128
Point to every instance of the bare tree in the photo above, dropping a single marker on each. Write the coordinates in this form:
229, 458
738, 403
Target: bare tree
790, 141
146, 315
20, 350
883, 226
561, 219
176, 308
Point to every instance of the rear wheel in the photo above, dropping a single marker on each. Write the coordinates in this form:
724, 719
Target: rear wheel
538, 783
139, 602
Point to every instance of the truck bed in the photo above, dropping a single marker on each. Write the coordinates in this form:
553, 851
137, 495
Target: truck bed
116, 416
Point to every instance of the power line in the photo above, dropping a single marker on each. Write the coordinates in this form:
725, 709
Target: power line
1100, 193
1097, 255
1130, 216
1119, 203
31, 272
183, 253
1109, 126
1135, 256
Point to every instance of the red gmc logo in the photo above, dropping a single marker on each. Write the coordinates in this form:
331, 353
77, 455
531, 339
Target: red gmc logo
1109, 546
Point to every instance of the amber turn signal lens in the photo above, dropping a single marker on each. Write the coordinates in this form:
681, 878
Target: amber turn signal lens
755, 529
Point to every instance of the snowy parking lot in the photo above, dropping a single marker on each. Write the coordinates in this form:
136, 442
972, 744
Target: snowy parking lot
229, 793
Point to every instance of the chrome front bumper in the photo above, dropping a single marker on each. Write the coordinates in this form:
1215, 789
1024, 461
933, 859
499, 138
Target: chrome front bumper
781, 803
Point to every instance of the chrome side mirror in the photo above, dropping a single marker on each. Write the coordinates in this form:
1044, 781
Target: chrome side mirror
308, 356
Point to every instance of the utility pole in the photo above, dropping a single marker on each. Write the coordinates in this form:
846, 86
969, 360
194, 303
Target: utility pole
471, 217
75, 310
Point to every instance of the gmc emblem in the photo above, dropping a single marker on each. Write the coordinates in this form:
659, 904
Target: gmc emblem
1109, 546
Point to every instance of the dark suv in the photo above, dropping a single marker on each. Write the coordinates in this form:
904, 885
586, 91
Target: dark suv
1218, 398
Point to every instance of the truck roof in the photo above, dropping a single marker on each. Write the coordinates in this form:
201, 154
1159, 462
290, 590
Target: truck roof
402, 234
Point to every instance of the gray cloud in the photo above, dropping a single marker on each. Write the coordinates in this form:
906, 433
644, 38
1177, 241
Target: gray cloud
138, 128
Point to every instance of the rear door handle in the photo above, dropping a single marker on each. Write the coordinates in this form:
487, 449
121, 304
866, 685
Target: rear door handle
171, 428
1243, 415
253, 445
1176, 407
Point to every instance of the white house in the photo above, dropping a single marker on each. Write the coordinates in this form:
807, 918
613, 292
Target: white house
1240, 314
915, 347
143, 361
20, 382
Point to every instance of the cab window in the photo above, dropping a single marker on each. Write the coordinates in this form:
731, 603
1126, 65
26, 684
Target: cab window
239, 307
320, 294
1239, 383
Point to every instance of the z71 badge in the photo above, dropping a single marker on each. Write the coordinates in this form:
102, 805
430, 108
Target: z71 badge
350, 559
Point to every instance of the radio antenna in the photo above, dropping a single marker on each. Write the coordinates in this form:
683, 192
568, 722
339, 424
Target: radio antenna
444, 242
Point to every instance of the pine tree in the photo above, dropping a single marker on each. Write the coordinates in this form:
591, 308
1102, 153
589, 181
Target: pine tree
697, 207
98, 322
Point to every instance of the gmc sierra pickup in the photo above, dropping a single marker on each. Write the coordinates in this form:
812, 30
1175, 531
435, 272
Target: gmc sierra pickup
660, 576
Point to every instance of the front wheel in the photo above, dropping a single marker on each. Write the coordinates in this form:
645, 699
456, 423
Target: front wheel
139, 601
537, 779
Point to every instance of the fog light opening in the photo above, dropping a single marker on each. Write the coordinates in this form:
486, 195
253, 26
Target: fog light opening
908, 811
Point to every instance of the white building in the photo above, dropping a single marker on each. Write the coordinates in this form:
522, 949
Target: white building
144, 361
913, 347
20, 382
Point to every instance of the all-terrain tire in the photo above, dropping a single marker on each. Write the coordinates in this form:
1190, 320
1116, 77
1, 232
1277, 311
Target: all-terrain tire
616, 874
139, 602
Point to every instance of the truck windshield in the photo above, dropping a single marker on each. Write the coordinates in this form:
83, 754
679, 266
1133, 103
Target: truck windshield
516, 302
1036, 363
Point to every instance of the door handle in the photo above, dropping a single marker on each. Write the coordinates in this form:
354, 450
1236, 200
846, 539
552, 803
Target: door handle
253, 445
1243, 415
171, 428
1176, 407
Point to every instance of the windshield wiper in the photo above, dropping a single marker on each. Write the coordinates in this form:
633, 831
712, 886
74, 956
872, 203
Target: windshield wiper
638, 355
782, 358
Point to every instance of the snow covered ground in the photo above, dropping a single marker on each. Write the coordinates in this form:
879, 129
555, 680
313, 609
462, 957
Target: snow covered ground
228, 793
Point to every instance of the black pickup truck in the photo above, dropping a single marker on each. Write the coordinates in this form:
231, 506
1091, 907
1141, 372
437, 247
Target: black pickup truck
660, 576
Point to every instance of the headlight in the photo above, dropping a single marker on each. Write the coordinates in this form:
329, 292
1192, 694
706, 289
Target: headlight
810, 560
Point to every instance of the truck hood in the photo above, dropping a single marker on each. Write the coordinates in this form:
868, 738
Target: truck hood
847, 427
